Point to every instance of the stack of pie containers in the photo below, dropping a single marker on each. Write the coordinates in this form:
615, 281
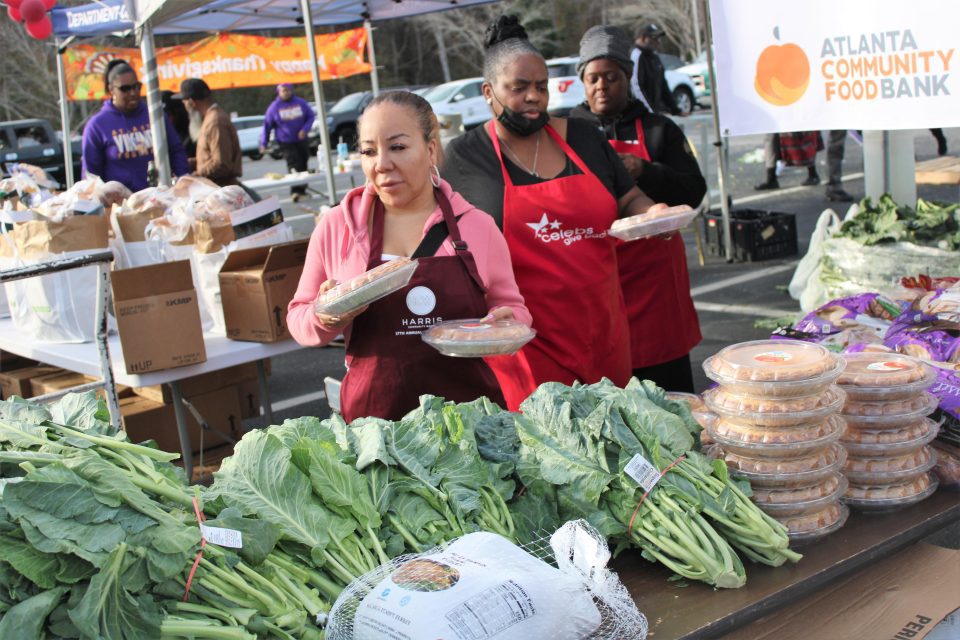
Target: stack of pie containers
779, 426
887, 441
700, 412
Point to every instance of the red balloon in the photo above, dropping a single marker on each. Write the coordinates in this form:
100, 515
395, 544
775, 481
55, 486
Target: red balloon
32, 10
14, 3
41, 29
49, 4
14, 13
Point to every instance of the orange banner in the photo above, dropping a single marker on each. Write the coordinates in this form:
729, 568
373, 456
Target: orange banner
224, 60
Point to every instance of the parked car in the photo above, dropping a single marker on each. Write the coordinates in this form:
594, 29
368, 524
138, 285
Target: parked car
567, 90
462, 97
698, 72
248, 130
35, 142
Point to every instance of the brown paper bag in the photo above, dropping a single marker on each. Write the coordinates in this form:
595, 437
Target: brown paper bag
37, 239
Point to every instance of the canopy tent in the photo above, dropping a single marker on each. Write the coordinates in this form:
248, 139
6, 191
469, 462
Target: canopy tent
164, 17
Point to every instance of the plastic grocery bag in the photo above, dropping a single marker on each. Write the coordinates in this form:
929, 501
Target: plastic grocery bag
58, 307
482, 586
805, 284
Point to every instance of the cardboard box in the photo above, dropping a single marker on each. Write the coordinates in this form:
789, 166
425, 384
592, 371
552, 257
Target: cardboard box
256, 285
61, 379
902, 597
203, 383
158, 317
17, 381
145, 419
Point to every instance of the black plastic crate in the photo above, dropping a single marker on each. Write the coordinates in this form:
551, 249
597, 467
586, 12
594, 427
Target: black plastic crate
757, 234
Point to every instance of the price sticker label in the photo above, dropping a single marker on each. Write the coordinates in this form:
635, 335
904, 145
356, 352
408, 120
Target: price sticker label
223, 537
644, 473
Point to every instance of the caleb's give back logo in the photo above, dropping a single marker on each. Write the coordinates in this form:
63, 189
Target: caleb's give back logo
550, 231
783, 73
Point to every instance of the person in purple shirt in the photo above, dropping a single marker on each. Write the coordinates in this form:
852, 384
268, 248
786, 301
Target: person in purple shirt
117, 144
291, 117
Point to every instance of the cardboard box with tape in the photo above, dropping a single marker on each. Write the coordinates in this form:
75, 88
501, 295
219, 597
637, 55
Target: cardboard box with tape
256, 285
158, 317
16, 382
204, 383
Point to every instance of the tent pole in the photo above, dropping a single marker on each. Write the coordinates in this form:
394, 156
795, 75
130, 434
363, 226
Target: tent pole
64, 115
374, 77
158, 129
695, 10
318, 97
718, 142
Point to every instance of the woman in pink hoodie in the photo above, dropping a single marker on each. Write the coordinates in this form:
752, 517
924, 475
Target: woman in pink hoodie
464, 270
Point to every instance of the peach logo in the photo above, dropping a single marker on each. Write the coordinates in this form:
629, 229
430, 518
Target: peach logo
783, 73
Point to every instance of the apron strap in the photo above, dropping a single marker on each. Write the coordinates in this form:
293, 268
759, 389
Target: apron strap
431, 241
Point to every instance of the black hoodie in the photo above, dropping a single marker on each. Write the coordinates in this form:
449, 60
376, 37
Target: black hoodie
672, 175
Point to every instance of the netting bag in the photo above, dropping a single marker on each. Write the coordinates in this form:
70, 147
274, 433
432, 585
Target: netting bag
482, 586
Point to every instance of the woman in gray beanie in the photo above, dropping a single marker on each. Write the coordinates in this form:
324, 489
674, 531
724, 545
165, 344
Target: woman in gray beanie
653, 272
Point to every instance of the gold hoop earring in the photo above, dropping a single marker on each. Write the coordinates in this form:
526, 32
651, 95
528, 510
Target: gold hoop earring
435, 176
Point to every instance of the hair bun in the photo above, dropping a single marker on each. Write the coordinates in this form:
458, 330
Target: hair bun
504, 28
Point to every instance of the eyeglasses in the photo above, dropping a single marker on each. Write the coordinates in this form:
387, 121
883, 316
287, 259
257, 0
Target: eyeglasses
127, 88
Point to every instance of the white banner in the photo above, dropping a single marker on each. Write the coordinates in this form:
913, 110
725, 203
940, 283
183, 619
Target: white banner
810, 65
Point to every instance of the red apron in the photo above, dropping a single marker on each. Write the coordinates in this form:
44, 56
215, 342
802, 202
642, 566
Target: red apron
565, 265
388, 365
656, 287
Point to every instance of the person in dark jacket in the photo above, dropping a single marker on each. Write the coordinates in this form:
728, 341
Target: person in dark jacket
181, 121
290, 118
649, 78
653, 272
117, 143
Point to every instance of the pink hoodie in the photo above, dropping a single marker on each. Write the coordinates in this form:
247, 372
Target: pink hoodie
340, 248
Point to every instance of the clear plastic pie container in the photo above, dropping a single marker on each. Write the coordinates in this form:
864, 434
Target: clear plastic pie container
776, 442
889, 497
801, 471
471, 338
653, 223
874, 377
367, 287
813, 525
775, 368
774, 412
795, 501
891, 413
880, 470
890, 442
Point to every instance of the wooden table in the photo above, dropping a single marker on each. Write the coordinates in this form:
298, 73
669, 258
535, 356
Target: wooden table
697, 611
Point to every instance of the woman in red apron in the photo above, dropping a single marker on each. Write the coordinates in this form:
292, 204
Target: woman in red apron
463, 270
555, 188
653, 272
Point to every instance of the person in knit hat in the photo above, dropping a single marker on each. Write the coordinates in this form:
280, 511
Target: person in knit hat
289, 117
649, 81
653, 272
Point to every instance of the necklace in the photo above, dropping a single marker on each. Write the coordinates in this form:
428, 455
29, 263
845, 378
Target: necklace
536, 154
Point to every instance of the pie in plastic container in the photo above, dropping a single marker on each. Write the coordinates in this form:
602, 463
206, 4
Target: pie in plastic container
653, 223
472, 338
888, 497
890, 414
880, 470
877, 377
800, 471
774, 412
807, 527
367, 287
770, 442
776, 368
795, 501
890, 442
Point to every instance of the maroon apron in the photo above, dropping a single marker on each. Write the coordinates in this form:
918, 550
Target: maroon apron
389, 366
656, 286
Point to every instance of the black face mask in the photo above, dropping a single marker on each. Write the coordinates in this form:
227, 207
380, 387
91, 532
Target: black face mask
519, 124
